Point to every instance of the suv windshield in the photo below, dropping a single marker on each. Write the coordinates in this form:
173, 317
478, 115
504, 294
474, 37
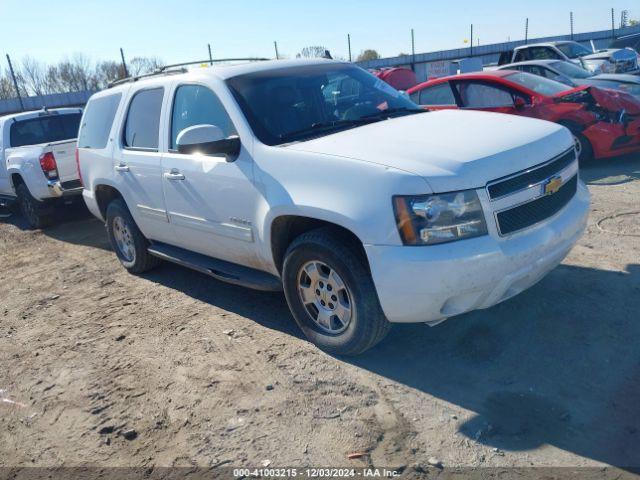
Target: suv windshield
47, 128
571, 70
573, 50
298, 103
540, 85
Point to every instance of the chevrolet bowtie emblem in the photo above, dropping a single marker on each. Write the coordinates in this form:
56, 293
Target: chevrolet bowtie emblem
552, 185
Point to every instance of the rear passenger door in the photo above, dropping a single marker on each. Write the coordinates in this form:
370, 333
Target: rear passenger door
137, 164
210, 199
436, 97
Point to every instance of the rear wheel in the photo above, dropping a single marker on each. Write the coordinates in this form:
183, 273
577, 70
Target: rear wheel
127, 240
331, 294
37, 214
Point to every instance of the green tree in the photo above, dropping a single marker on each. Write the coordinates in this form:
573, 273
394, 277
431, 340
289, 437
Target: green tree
368, 54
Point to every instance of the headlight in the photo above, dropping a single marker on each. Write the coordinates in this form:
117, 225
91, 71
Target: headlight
433, 219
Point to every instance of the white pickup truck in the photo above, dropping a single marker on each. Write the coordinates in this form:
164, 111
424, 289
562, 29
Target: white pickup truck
37, 162
316, 178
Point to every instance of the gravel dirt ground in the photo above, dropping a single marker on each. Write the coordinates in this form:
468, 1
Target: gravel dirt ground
173, 368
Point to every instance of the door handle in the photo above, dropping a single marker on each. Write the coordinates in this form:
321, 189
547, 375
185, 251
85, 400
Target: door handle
174, 174
121, 168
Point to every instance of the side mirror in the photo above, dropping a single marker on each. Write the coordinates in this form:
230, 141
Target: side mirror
519, 103
208, 140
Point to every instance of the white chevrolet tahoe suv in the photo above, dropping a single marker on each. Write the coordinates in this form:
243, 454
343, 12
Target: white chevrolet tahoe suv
317, 178
37, 162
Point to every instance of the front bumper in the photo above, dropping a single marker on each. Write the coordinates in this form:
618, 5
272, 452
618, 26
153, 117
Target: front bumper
64, 189
432, 283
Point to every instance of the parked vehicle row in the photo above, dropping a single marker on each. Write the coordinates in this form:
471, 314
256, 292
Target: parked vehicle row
604, 122
574, 76
610, 60
317, 178
37, 162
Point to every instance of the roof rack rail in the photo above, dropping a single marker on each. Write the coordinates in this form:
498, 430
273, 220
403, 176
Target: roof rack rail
211, 61
155, 73
179, 68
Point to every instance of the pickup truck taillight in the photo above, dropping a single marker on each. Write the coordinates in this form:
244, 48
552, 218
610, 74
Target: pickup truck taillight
49, 166
78, 167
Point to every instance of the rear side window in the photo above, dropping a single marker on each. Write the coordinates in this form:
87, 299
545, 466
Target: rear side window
142, 126
437, 95
197, 105
45, 129
97, 121
480, 95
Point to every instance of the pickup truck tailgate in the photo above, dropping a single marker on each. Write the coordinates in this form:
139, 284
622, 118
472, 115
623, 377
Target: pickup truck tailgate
65, 155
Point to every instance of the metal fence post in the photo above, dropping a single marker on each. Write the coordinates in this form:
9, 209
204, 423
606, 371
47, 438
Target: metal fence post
349, 44
124, 64
571, 23
613, 24
210, 57
15, 83
526, 32
413, 51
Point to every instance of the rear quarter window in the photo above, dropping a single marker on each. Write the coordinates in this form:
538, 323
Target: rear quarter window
45, 129
97, 121
142, 127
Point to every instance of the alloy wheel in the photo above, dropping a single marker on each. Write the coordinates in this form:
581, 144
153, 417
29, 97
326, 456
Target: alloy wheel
325, 297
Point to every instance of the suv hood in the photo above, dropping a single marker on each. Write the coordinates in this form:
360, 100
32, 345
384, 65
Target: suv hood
611, 100
452, 150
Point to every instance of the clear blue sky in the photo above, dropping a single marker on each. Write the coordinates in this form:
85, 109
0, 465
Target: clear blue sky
179, 30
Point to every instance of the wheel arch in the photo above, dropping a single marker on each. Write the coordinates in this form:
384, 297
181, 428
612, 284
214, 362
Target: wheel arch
105, 194
284, 229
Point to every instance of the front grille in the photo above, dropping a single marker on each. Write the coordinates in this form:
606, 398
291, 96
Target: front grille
531, 176
529, 214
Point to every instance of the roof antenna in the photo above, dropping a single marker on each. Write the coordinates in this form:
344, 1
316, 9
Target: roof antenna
327, 55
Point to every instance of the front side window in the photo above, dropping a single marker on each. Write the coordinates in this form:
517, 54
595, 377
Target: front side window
542, 53
437, 95
197, 105
142, 126
97, 121
540, 85
47, 128
574, 50
298, 103
481, 95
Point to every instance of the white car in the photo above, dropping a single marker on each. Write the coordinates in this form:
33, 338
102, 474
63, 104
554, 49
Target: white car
364, 208
37, 162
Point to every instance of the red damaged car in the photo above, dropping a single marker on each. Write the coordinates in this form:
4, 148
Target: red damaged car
604, 122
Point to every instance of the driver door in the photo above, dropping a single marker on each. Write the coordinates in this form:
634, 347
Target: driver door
210, 198
478, 95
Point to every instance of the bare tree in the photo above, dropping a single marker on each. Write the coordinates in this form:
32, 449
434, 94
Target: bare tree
142, 65
106, 72
35, 76
6, 87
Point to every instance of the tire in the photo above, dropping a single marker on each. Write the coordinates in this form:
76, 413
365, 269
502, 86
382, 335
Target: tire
37, 214
583, 145
326, 247
585, 149
127, 241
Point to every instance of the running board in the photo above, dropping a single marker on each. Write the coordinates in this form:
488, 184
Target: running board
219, 269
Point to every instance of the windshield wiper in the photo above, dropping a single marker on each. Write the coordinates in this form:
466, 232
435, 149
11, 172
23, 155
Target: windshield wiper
391, 111
324, 126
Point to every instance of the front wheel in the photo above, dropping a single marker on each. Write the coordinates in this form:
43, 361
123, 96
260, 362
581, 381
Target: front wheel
583, 148
127, 240
331, 293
